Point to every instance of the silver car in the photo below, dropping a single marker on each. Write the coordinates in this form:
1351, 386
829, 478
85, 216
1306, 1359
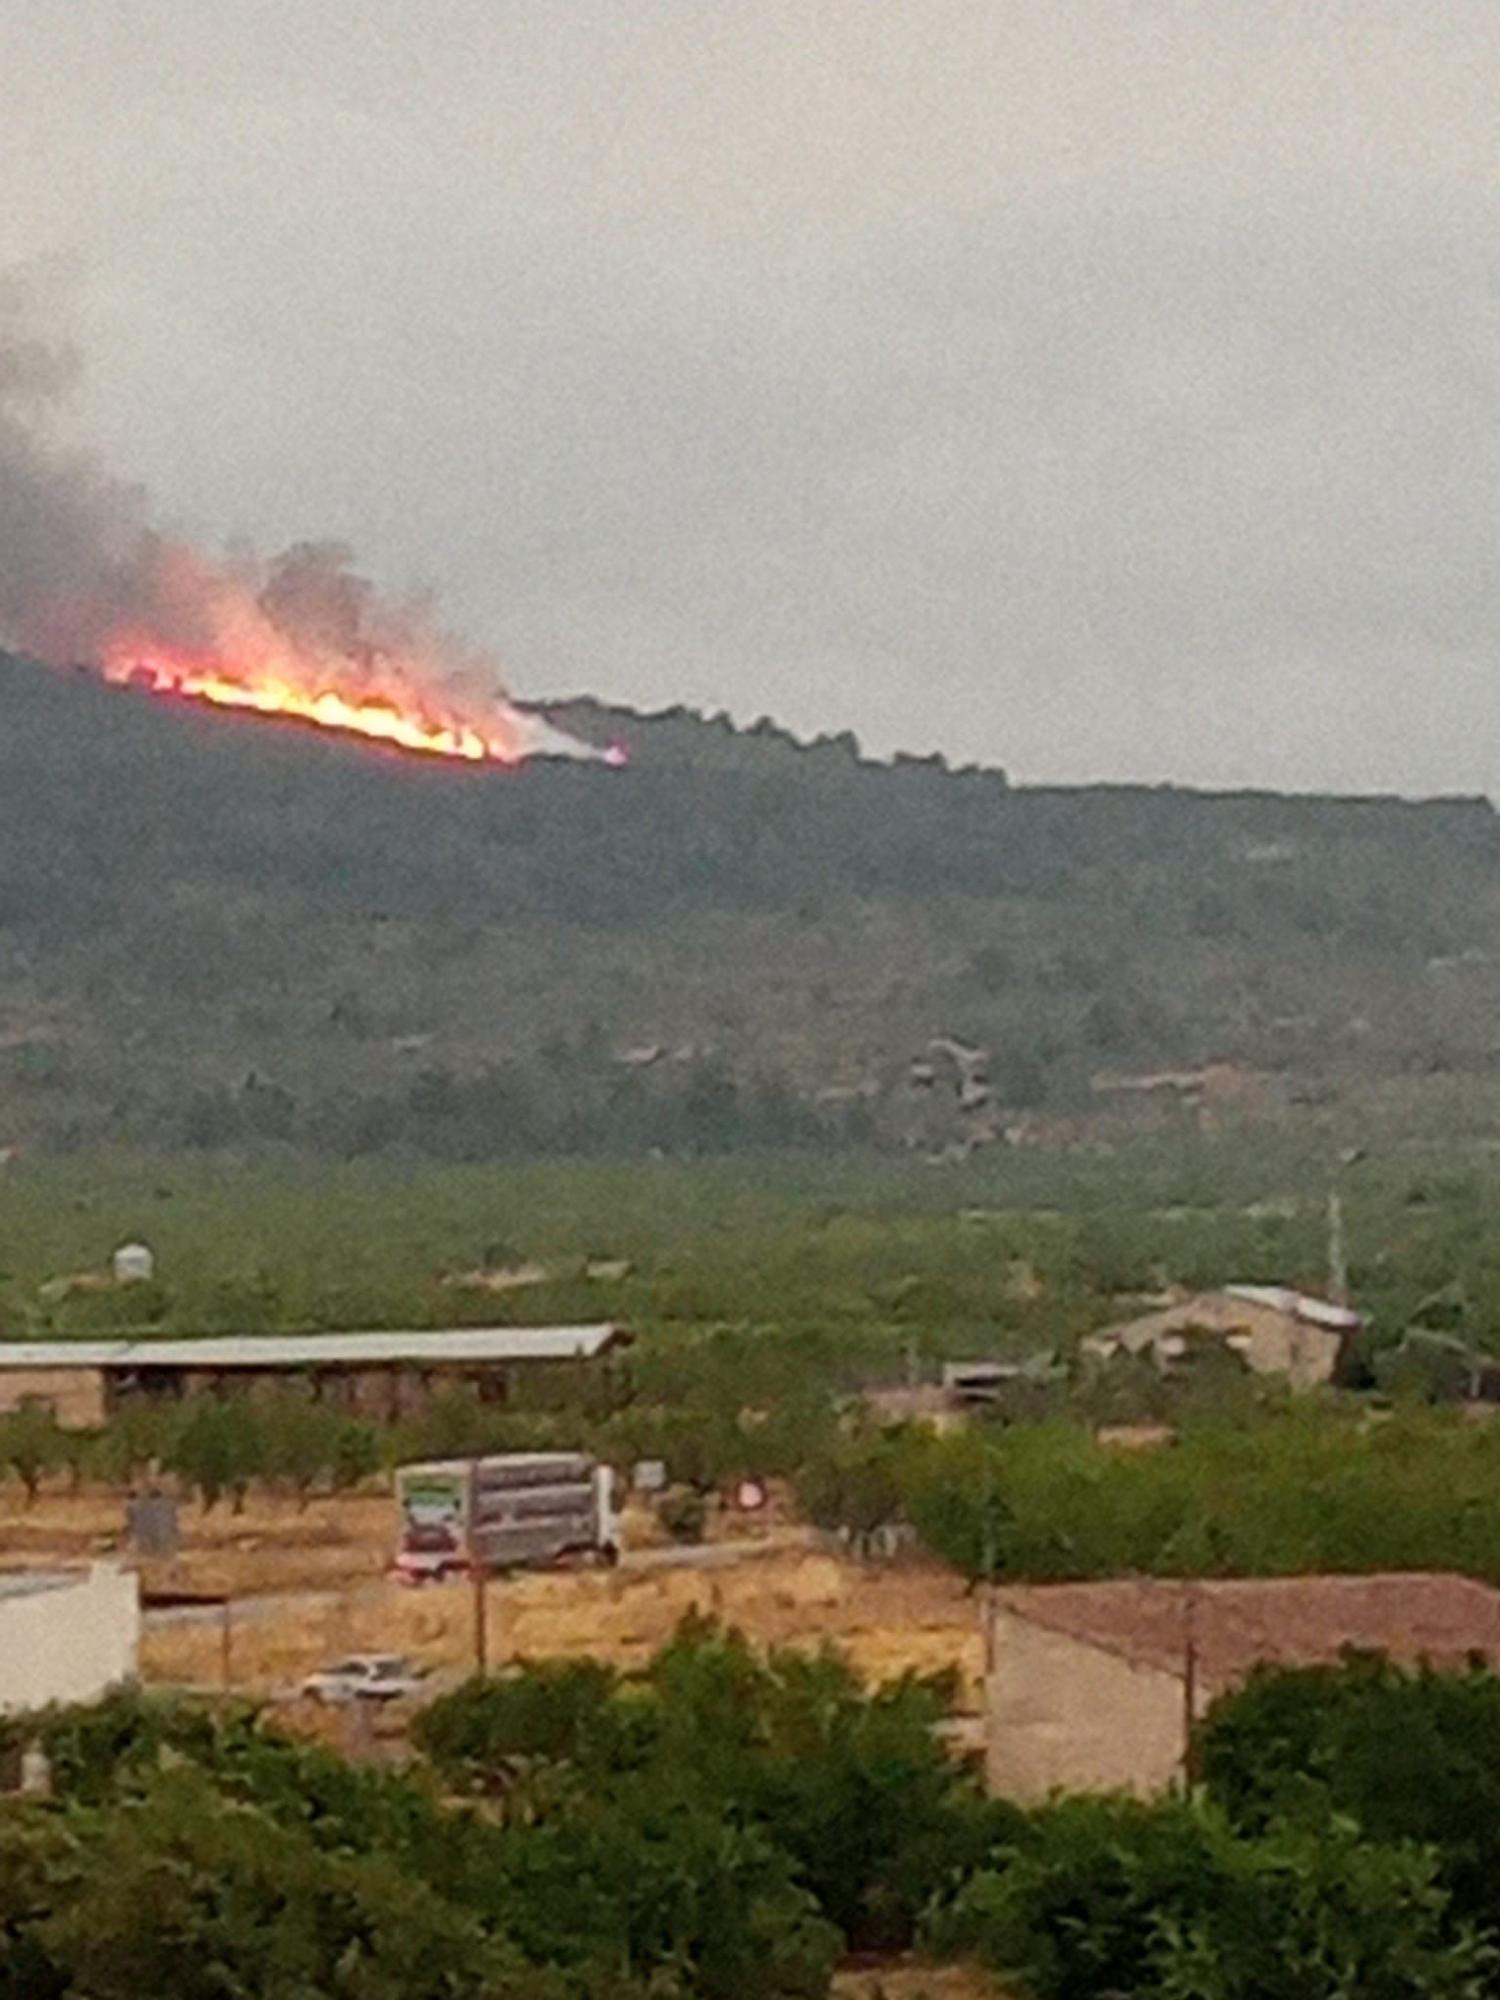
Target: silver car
366, 1677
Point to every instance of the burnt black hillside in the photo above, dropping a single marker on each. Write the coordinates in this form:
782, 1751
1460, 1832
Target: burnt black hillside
219, 931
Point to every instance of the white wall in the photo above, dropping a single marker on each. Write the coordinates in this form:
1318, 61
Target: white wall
69, 1642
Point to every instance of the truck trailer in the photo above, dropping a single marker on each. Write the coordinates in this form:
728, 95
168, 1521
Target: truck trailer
514, 1510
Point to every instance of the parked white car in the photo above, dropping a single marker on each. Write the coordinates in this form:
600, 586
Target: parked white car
366, 1677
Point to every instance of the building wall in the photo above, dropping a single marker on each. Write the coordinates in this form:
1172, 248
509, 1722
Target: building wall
1281, 1344
386, 1391
70, 1642
74, 1395
1275, 1343
1063, 1715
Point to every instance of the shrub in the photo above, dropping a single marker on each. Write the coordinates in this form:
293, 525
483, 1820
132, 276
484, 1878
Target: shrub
1114, 1900
1411, 1755
855, 1487
852, 1789
557, 1709
181, 1893
683, 1512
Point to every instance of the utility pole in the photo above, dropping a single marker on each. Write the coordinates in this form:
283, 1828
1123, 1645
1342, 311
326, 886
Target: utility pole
1338, 1258
1189, 1679
478, 1571
1338, 1262
481, 1615
988, 1693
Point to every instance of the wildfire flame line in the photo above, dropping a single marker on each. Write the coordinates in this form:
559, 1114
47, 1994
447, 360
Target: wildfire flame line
378, 716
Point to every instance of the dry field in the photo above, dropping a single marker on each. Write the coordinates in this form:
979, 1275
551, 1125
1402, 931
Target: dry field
309, 1584
910, 1980
888, 1621
272, 1545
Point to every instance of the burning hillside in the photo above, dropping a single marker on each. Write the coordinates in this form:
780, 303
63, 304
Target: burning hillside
86, 580
265, 688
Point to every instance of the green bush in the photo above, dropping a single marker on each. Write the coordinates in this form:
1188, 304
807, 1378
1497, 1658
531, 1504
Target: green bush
1113, 1900
683, 1512
1302, 1490
717, 1825
31, 1445
1410, 1755
181, 1893
855, 1488
557, 1709
853, 1789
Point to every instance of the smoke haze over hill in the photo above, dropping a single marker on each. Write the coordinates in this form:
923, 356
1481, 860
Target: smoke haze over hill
86, 577
1105, 392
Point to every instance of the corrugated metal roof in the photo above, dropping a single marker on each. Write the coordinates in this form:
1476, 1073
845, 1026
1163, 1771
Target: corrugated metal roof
272, 1350
1282, 1298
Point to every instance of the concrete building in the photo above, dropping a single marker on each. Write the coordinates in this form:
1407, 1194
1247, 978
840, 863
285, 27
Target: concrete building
1274, 1330
376, 1374
74, 1395
1092, 1686
66, 1635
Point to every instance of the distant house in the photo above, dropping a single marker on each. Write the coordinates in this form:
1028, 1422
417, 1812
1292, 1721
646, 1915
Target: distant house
970, 1384
982, 1384
1204, 1094
1093, 1686
922, 1403
1274, 1330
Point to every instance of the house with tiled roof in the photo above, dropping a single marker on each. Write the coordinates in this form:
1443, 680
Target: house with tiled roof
1095, 1686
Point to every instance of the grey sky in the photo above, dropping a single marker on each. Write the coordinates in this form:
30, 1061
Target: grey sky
1105, 389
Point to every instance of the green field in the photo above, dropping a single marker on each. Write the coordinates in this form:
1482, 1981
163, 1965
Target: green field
998, 1255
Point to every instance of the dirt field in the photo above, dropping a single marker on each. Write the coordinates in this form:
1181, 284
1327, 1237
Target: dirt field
272, 1545
910, 1980
310, 1585
887, 1621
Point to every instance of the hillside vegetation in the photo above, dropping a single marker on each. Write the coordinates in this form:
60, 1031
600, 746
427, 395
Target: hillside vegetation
216, 932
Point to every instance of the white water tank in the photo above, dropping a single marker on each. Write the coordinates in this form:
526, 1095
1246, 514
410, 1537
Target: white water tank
133, 1264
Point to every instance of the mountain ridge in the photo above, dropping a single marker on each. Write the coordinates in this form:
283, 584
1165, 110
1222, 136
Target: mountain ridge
221, 931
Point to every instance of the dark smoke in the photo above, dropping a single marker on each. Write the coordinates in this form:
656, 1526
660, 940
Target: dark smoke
70, 537
81, 568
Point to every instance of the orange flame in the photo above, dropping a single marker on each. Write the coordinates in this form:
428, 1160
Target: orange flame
401, 718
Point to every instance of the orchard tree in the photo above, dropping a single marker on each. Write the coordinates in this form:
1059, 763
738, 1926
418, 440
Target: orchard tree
32, 1443
218, 1449
297, 1442
854, 1488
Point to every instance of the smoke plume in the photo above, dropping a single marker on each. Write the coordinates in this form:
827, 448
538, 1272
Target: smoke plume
85, 579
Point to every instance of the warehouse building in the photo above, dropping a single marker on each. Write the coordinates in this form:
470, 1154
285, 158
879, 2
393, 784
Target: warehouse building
66, 1635
373, 1374
1093, 1687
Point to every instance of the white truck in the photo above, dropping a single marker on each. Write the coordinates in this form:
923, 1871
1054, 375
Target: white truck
514, 1510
